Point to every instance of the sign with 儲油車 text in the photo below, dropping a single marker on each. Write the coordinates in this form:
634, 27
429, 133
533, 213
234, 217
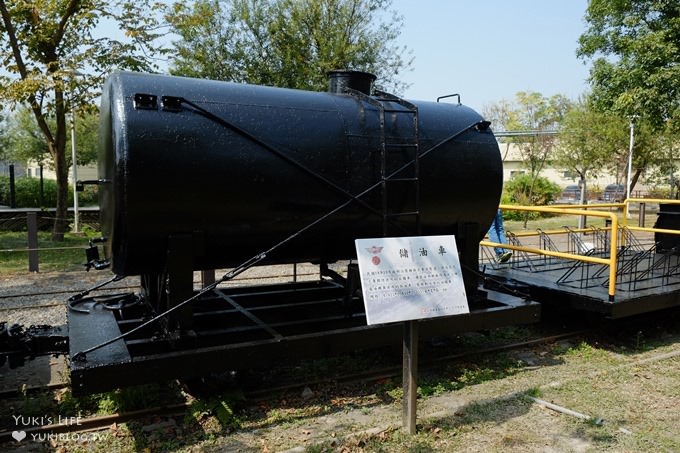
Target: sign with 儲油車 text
408, 278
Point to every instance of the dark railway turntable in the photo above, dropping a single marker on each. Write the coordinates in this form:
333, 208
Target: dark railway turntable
647, 274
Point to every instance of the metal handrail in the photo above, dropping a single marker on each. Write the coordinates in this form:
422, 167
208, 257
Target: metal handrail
590, 211
626, 207
613, 246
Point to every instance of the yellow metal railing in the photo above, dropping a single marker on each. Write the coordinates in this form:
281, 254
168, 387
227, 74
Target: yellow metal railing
590, 211
611, 261
626, 208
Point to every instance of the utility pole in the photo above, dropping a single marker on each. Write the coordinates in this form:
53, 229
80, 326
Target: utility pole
630, 154
75, 170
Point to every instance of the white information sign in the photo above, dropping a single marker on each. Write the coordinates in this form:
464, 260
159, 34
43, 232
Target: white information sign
407, 278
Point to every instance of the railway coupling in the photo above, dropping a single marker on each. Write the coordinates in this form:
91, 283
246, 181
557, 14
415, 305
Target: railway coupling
18, 343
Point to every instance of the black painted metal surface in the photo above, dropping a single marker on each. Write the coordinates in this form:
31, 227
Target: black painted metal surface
245, 327
541, 287
276, 161
668, 219
647, 280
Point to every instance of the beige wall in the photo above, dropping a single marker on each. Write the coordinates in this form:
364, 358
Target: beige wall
84, 172
512, 163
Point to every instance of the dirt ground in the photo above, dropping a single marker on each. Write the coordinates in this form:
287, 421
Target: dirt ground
621, 395
631, 399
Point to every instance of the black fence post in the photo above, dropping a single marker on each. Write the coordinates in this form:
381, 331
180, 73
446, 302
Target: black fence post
32, 223
12, 188
42, 187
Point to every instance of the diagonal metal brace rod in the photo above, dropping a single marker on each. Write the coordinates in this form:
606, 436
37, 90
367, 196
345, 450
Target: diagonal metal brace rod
82, 355
222, 122
84, 293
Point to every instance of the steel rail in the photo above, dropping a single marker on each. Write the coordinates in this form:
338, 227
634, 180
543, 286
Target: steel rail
103, 422
395, 370
117, 288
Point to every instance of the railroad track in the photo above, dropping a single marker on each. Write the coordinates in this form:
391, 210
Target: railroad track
620, 327
103, 422
67, 292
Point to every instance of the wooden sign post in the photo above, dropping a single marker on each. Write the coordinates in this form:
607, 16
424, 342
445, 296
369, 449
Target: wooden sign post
404, 279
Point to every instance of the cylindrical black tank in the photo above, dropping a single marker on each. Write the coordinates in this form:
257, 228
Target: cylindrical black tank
668, 218
272, 161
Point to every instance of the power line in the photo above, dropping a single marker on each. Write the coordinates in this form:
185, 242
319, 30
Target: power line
526, 133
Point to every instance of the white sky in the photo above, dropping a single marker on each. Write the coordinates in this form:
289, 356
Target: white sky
490, 50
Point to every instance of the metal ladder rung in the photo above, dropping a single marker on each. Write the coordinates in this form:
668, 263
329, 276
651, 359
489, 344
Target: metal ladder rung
394, 146
414, 179
401, 214
399, 146
397, 110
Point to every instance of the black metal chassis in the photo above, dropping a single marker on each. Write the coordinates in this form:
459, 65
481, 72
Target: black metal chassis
247, 327
542, 287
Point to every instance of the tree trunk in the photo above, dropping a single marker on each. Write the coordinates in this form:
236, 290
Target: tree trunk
58, 150
635, 177
61, 218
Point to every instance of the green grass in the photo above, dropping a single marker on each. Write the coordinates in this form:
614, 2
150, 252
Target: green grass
560, 221
551, 223
66, 255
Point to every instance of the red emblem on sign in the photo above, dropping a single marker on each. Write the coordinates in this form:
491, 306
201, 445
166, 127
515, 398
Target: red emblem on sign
375, 260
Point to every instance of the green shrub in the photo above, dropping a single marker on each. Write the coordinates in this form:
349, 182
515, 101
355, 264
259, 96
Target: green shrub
659, 192
4, 190
28, 193
543, 193
517, 192
89, 196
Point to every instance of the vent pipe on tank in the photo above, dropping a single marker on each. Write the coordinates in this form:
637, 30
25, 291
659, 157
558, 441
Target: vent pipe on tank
339, 80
